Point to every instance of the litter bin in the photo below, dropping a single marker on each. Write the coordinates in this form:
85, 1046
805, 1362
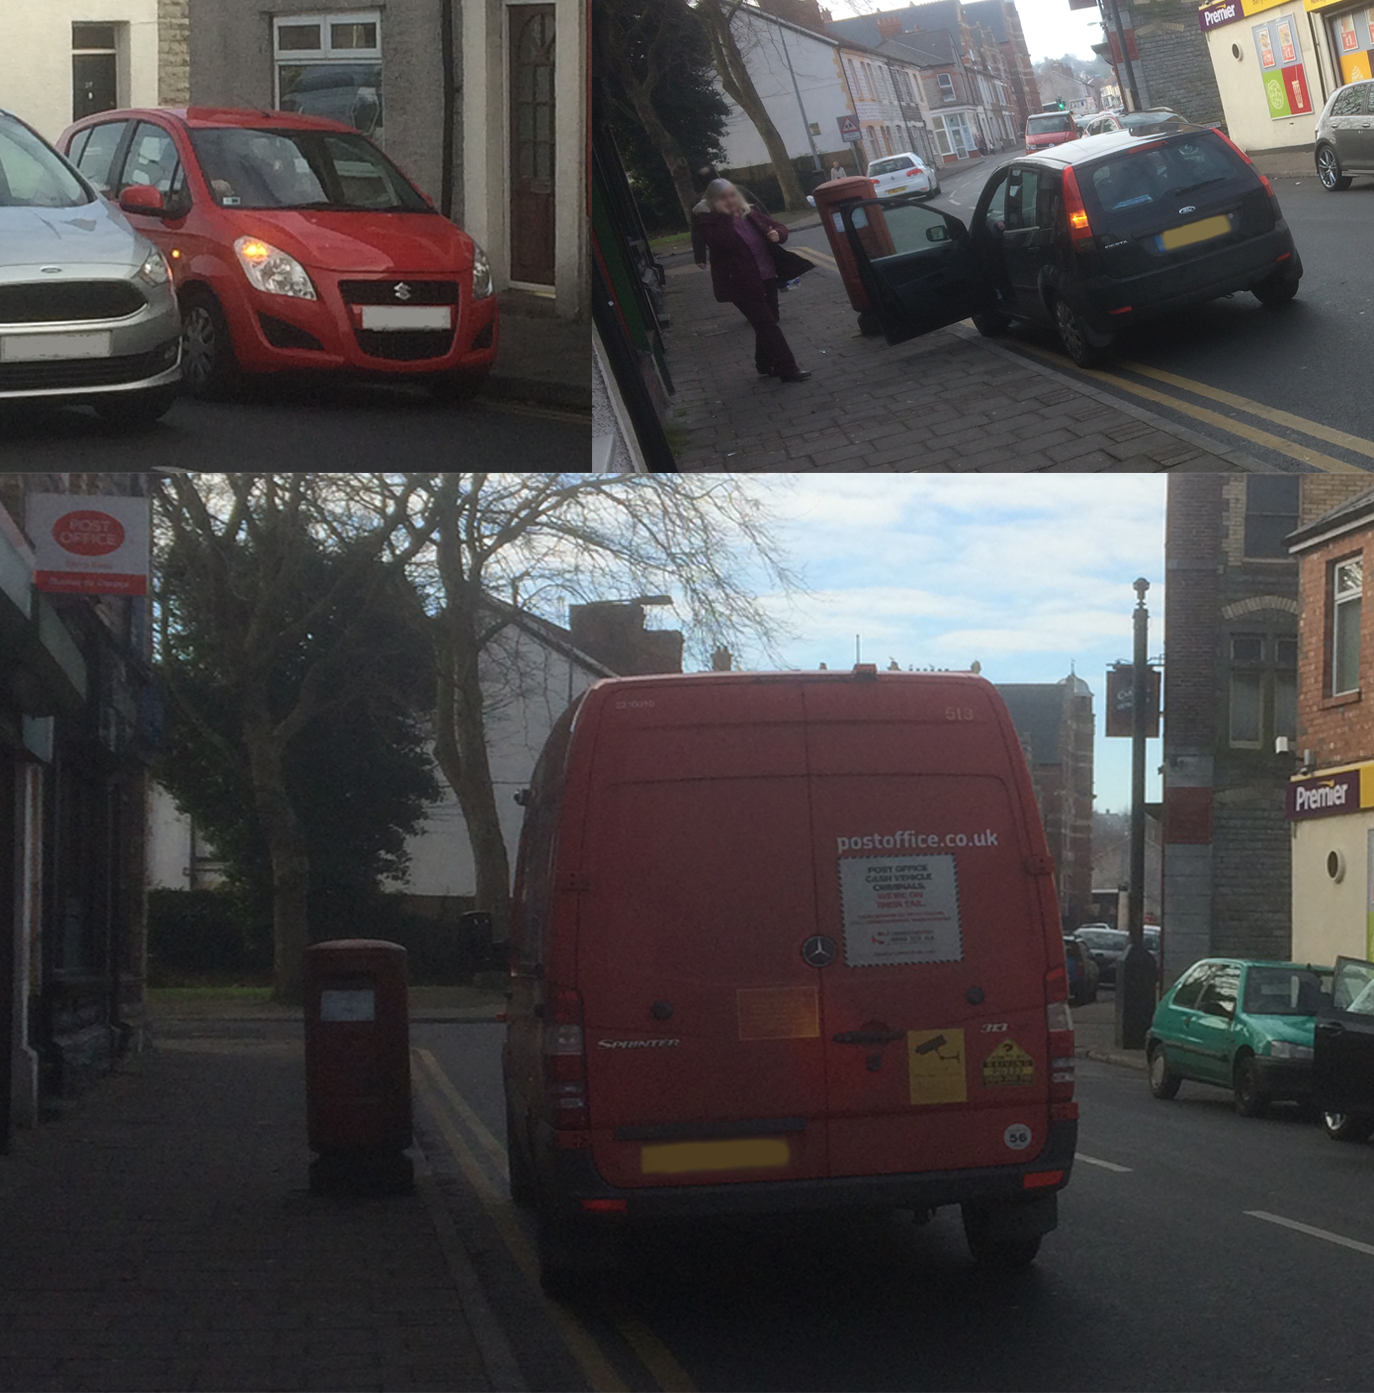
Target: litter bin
871, 228
357, 1066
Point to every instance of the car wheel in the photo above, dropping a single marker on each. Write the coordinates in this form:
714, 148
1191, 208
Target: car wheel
522, 1184
208, 365
1329, 170
1348, 1126
136, 410
1073, 335
870, 326
1277, 290
991, 324
1251, 1099
1163, 1081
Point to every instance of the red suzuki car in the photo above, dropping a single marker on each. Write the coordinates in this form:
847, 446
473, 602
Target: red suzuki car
296, 245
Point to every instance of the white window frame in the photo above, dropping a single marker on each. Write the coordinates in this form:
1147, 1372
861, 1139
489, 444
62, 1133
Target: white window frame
326, 53
1341, 605
946, 85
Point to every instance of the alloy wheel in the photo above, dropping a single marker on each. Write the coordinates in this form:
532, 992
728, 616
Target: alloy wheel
1327, 169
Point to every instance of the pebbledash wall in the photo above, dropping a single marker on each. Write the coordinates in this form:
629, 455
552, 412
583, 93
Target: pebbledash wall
1331, 808
1277, 61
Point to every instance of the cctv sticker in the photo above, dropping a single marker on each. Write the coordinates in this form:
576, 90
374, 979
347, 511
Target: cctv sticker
1017, 1136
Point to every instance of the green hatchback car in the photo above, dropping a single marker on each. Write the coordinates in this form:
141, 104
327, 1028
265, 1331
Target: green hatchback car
1246, 1026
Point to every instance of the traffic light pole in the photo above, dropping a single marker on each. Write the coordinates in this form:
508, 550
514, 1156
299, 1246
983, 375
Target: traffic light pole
1136, 974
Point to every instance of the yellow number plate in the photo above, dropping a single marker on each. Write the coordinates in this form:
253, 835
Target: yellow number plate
1192, 232
739, 1153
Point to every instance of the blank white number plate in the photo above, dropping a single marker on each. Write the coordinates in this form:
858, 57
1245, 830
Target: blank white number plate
44, 348
407, 316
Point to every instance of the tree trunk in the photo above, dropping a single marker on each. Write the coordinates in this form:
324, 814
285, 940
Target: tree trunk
664, 141
739, 86
460, 747
290, 859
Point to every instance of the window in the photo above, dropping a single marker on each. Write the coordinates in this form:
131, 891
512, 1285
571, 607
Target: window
95, 68
152, 159
97, 153
1022, 197
331, 65
1347, 588
946, 86
1349, 102
1247, 708
1219, 995
1271, 513
1191, 984
1286, 687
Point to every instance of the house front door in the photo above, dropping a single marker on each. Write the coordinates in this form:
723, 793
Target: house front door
532, 143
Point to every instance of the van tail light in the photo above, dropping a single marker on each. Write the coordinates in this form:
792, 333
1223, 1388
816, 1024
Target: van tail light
1059, 1024
1080, 229
565, 1058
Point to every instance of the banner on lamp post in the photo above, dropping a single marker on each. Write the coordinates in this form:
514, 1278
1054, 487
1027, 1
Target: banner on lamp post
1120, 693
89, 544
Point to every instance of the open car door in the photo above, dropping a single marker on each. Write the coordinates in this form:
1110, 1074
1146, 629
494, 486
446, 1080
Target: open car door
918, 265
1343, 1043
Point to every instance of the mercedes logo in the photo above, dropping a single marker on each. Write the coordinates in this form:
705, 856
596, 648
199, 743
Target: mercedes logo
818, 951
402, 291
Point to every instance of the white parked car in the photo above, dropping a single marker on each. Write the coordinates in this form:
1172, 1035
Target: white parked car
905, 173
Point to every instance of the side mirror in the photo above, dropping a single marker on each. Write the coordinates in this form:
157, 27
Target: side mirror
144, 199
938, 233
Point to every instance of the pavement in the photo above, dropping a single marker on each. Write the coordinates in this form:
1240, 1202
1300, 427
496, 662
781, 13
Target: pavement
160, 1234
950, 402
542, 358
1094, 1031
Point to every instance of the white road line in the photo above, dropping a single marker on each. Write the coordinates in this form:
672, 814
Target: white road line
1106, 1165
1316, 1233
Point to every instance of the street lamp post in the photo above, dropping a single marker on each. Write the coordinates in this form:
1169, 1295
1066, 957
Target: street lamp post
1136, 974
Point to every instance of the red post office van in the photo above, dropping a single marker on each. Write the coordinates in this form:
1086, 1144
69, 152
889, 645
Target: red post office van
786, 941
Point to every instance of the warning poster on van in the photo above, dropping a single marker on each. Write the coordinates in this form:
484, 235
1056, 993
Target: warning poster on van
899, 909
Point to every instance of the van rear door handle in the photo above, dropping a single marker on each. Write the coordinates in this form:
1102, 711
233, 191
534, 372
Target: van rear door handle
867, 1037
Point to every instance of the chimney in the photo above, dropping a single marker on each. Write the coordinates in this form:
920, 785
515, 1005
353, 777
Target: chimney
613, 632
889, 26
722, 660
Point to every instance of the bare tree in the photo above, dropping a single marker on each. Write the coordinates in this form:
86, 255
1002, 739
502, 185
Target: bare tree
717, 17
497, 546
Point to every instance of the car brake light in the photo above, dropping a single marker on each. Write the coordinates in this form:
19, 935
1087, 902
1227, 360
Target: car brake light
1080, 229
1059, 1025
565, 1058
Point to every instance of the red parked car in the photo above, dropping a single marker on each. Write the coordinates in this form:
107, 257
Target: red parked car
296, 245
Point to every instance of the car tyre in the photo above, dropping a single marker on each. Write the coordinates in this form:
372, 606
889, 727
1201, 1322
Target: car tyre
1251, 1099
870, 326
1074, 336
1348, 1126
137, 410
1277, 290
523, 1189
208, 364
1164, 1083
1329, 170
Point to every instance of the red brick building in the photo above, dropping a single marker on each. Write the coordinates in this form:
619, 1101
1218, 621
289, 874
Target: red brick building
1230, 691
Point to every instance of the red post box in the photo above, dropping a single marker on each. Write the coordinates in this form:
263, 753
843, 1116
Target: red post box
357, 1065
871, 228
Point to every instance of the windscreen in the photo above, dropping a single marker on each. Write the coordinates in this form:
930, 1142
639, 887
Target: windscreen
302, 169
892, 166
1282, 991
1049, 125
1137, 189
32, 176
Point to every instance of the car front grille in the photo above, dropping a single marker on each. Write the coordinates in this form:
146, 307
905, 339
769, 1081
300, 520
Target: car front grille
53, 302
405, 345
412, 292
85, 372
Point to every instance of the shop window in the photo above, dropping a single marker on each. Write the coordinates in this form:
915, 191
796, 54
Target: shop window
1271, 513
331, 65
1347, 592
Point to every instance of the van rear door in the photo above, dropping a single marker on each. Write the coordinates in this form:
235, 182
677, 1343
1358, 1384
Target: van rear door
928, 862
702, 1020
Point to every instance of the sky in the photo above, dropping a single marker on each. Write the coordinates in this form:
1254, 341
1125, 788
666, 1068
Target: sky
1029, 575
1052, 29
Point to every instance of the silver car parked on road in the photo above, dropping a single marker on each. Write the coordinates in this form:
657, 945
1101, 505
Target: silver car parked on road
1345, 136
87, 309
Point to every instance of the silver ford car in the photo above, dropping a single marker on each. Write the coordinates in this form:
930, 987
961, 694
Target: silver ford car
87, 309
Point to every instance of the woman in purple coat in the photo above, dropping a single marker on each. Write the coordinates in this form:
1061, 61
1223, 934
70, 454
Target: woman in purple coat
747, 261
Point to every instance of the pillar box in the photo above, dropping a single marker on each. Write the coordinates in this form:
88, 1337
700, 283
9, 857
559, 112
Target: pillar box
871, 227
357, 1065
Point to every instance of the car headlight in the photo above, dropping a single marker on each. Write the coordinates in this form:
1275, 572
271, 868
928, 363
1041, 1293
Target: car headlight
154, 270
272, 270
1286, 1049
481, 273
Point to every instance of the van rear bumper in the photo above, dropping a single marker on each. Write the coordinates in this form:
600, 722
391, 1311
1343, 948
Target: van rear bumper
574, 1178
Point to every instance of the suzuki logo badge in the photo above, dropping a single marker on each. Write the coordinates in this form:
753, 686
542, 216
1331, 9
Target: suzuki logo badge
402, 291
818, 951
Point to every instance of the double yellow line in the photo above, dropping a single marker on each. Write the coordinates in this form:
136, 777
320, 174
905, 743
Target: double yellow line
483, 1164
1315, 459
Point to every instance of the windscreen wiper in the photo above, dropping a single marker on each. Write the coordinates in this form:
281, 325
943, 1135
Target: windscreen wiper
1188, 188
